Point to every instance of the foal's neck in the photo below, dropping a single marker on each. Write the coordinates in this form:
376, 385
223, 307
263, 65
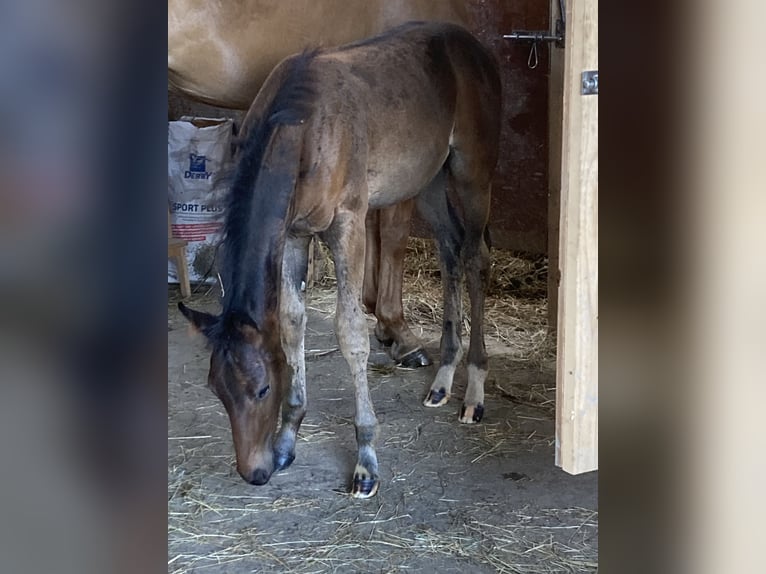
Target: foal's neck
256, 233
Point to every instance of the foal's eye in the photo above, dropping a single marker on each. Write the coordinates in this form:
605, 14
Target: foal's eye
263, 392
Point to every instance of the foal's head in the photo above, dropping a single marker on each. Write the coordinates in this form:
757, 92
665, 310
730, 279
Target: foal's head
247, 373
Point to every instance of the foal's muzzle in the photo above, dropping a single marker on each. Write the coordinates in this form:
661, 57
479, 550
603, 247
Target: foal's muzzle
258, 477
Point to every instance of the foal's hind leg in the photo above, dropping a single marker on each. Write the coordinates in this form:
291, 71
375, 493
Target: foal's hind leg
476, 257
346, 241
472, 190
461, 247
292, 314
434, 208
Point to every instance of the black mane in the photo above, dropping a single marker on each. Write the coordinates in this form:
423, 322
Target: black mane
383, 37
254, 226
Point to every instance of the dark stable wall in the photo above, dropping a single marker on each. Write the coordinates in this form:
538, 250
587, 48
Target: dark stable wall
519, 215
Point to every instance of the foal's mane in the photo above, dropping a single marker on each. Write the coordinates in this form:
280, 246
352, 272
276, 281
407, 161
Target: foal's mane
253, 212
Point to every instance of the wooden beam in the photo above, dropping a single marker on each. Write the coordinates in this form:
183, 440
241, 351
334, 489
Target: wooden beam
177, 252
555, 119
577, 359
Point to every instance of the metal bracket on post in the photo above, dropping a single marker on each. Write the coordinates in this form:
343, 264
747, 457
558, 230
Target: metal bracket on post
589, 83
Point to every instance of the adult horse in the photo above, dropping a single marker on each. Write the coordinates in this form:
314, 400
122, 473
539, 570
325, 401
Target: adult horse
412, 113
221, 53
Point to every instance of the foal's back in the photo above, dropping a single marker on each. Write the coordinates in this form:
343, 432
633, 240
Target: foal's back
389, 109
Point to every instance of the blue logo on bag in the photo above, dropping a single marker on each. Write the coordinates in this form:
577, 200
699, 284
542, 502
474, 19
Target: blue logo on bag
197, 167
197, 163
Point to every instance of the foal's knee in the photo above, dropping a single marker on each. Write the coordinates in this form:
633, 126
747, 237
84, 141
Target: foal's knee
293, 322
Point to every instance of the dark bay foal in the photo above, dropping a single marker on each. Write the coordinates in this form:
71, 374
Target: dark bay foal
412, 114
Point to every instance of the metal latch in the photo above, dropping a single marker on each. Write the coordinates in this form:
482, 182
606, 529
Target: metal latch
534, 35
541, 36
589, 83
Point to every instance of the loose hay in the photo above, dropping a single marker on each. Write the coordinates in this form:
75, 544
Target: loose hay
211, 528
516, 308
515, 312
382, 539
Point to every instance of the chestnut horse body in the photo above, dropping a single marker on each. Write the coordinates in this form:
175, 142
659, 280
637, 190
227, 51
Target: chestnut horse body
221, 53
408, 115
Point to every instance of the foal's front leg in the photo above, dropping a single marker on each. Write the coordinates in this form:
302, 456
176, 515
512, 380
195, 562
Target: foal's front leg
292, 316
346, 240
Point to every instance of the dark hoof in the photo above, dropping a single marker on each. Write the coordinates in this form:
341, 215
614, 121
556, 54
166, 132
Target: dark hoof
364, 487
282, 460
436, 398
365, 483
470, 415
415, 359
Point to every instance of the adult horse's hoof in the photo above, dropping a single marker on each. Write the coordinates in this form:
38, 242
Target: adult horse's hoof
383, 337
470, 415
283, 460
436, 398
365, 485
415, 359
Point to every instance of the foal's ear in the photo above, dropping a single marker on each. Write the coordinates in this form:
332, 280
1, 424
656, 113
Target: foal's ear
200, 320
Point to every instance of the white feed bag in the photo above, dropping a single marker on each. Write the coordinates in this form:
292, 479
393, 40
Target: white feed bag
199, 160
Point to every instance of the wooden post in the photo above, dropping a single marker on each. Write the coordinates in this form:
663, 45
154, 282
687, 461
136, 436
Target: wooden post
177, 252
577, 360
555, 119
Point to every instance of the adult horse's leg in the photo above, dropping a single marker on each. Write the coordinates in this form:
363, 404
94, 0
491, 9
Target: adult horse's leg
394, 229
372, 263
387, 231
448, 233
292, 315
346, 239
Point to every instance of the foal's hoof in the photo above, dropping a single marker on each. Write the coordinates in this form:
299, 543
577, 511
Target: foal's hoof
470, 415
415, 359
283, 460
436, 398
365, 484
